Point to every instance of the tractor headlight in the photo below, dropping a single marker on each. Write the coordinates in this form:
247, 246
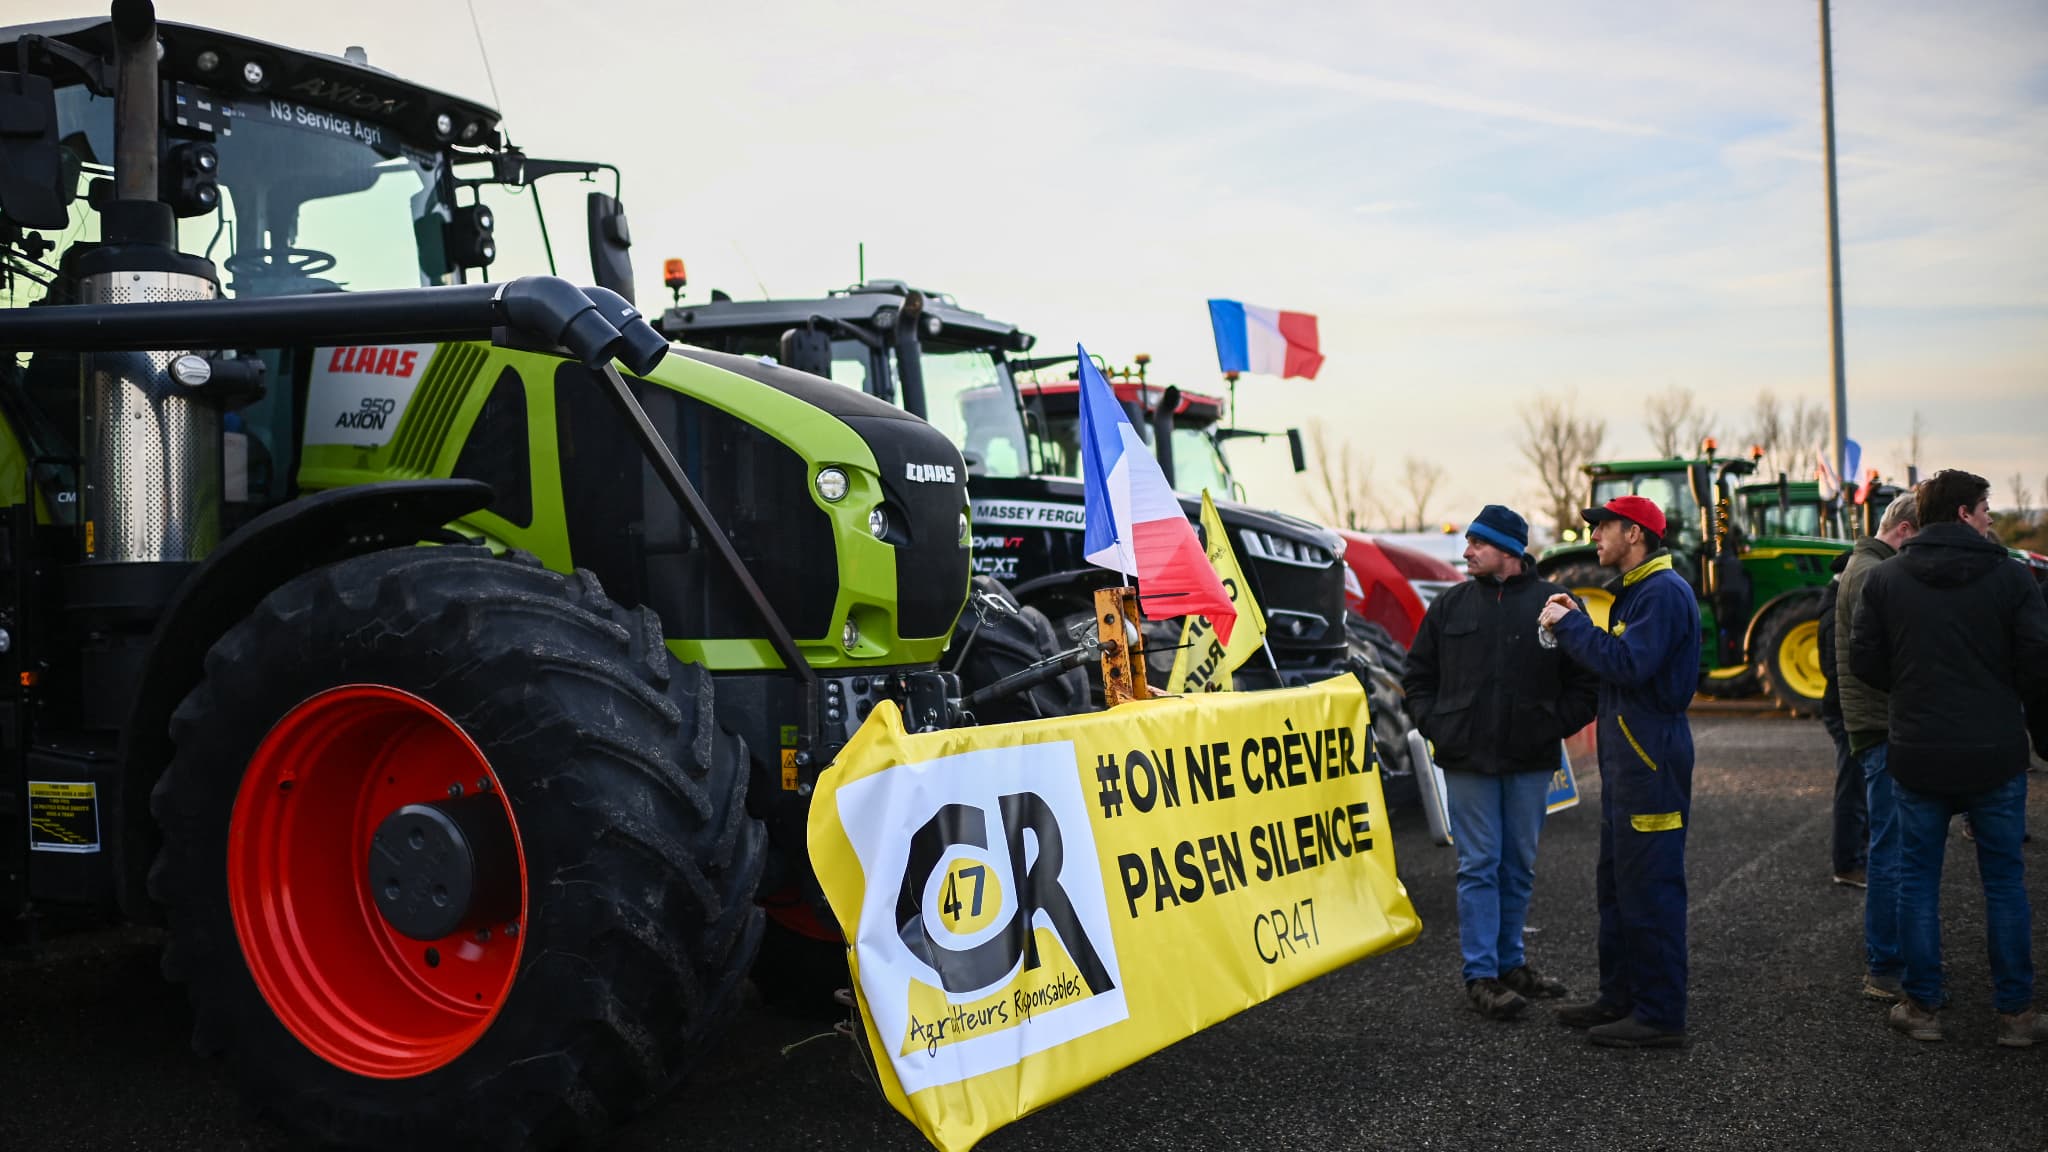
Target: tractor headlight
849, 635
964, 529
878, 523
831, 484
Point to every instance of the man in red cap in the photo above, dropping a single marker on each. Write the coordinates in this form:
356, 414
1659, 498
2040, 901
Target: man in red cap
1648, 662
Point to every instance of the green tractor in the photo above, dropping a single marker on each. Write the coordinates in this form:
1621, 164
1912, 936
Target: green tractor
451, 696
1759, 591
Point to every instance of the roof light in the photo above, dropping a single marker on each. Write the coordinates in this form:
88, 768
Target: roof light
673, 274
1708, 445
207, 60
444, 125
253, 74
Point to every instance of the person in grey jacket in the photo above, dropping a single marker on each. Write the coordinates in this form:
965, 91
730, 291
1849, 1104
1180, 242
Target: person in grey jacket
1866, 717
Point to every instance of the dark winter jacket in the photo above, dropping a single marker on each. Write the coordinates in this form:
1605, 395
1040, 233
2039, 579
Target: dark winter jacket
1489, 697
1830, 598
1958, 635
1864, 714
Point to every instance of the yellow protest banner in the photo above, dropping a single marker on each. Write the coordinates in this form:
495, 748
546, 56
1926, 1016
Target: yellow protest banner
1204, 663
1034, 906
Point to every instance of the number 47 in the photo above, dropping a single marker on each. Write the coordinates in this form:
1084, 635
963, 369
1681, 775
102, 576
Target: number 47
950, 902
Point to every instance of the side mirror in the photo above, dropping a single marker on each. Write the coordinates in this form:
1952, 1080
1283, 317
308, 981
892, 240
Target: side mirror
806, 350
1294, 447
33, 193
611, 260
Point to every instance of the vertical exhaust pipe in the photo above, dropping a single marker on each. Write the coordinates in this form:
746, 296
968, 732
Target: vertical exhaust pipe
135, 100
151, 483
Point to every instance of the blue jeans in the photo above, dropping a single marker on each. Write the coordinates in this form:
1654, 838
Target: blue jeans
1495, 821
1998, 816
1881, 901
1852, 823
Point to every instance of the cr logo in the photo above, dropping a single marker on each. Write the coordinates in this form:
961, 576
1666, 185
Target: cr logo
1038, 890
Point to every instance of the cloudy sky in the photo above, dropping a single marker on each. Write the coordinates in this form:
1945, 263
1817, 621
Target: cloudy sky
1483, 202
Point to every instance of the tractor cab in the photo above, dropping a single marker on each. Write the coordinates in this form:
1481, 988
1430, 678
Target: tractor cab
1785, 507
294, 173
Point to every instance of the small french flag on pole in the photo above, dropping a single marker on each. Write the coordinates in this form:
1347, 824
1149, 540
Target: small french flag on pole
1135, 524
1265, 340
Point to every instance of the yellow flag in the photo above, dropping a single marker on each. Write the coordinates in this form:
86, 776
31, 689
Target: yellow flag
1204, 663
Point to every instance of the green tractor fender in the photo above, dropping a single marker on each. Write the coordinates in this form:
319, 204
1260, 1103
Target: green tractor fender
285, 542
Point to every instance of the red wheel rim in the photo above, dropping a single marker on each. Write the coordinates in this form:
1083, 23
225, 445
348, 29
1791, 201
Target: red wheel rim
358, 993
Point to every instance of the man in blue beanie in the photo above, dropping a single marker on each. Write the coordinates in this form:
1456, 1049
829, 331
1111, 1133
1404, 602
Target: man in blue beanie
1495, 702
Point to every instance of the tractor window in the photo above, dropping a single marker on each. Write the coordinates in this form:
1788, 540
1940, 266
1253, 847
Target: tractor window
1767, 519
1671, 492
967, 396
309, 202
1197, 464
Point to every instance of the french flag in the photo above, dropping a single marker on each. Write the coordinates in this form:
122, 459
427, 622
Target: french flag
1265, 340
1135, 523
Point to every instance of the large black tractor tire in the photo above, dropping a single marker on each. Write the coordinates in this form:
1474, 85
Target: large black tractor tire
1392, 656
633, 907
1003, 643
1390, 723
1787, 656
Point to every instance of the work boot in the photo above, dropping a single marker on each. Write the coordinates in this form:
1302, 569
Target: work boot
1590, 1014
1853, 878
1912, 1020
1629, 1032
2022, 1029
1533, 984
1877, 987
1495, 1000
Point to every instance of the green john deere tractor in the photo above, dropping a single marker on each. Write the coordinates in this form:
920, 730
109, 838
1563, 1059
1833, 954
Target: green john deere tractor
451, 695
1759, 593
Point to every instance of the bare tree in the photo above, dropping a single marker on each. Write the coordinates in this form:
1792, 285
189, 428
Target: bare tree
1557, 442
1787, 433
1341, 492
1913, 450
1420, 479
1677, 422
2022, 500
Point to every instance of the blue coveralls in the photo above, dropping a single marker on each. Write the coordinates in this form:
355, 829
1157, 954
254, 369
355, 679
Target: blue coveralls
1649, 664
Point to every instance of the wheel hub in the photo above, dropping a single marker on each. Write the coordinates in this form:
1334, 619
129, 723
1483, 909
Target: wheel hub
435, 869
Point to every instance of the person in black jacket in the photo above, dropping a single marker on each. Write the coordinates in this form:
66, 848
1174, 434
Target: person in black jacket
1496, 703
1957, 634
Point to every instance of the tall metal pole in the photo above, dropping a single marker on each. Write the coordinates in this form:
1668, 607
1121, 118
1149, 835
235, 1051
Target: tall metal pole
1838, 446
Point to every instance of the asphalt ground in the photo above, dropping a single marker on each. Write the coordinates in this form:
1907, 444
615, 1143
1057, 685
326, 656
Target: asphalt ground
1383, 1054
